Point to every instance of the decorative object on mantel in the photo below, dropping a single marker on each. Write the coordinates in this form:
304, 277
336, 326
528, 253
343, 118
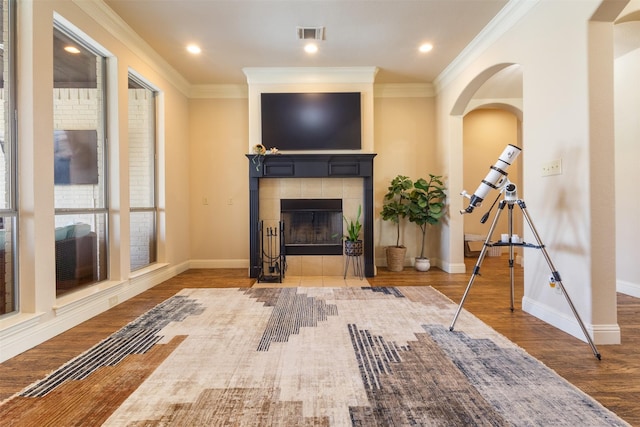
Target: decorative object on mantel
259, 151
394, 209
426, 206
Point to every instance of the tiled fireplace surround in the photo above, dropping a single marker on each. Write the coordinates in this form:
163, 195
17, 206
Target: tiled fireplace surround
312, 176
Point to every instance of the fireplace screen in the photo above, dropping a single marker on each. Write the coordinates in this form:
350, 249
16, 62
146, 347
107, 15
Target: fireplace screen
312, 226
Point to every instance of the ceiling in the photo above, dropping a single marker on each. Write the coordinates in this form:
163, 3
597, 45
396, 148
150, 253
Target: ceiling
234, 34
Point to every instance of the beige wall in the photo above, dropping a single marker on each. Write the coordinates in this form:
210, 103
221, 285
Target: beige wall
404, 135
403, 140
486, 133
219, 175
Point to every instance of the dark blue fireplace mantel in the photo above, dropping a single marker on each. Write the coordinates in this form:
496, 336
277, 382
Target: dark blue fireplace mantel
311, 166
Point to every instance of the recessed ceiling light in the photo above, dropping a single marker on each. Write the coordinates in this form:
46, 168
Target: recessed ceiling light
195, 49
72, 49
311, 48
425, 47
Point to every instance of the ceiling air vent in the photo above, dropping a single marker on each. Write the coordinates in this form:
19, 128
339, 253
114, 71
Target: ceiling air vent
310, 33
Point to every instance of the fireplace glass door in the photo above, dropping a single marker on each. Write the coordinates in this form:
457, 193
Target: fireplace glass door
312, 226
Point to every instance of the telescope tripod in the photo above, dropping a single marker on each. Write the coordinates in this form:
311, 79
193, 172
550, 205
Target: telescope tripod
511, 244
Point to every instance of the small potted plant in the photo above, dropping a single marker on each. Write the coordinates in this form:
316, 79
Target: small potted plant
426, 207
396, 207
352, 243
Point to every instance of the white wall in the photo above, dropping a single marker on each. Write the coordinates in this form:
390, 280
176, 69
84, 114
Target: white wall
627, 173
559, 52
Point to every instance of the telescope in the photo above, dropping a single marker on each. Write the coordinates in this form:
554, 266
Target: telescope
495, 179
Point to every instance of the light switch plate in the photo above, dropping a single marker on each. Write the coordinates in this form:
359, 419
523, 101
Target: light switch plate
554, 167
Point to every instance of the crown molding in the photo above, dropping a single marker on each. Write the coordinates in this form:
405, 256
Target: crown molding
298, 75
403, 90
382, 90
229, 91
509, 16
119, 29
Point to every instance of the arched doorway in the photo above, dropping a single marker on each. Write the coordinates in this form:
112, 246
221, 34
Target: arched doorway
491, 111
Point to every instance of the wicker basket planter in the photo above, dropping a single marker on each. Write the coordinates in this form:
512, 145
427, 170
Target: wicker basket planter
395, 257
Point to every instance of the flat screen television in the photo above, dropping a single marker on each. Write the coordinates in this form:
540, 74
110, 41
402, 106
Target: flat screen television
311, 121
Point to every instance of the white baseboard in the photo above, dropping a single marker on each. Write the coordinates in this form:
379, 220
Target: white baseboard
219, 263
600, 333
454, 267
628, 288
24, 331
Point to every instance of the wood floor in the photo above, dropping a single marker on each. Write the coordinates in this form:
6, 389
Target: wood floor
614, 381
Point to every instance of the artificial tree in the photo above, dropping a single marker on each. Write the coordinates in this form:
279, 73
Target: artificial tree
396, 207
426, 207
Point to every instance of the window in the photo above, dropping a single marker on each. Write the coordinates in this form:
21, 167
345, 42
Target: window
142, 172
8, 208
80, 160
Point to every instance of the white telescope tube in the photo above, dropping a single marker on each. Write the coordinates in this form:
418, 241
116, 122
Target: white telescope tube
495, 178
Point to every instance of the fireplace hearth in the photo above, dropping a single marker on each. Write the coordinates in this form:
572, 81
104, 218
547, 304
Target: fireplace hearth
285, 166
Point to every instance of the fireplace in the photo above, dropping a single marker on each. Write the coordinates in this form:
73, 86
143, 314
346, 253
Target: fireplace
312, 226
300, 170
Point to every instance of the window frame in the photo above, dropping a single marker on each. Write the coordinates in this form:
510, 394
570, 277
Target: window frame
11, 210
69, 30
154, 209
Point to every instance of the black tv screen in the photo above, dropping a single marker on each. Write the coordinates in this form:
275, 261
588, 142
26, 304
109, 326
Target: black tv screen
311, 121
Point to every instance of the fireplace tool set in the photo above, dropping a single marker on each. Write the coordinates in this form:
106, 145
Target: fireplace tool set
272, 257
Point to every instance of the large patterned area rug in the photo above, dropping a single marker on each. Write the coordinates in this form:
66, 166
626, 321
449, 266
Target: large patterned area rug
305, 357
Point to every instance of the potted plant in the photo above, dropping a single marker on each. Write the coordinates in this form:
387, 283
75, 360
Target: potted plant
426, 207
352, 243
395, 208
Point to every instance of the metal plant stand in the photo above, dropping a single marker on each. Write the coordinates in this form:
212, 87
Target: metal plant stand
354, 251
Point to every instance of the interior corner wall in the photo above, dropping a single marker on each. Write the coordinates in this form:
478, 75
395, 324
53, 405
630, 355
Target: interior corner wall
219, 176
404, 139
486, 133
627, 173
556, 125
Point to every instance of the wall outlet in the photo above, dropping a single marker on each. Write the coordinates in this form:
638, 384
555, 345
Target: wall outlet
554, 167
